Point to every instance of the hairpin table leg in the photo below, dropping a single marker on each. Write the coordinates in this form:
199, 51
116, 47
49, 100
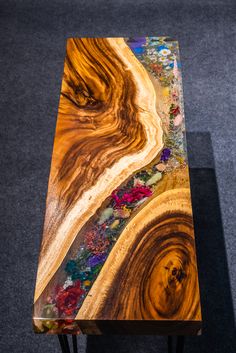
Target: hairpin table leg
180, 344
74, 341
64, 343
170, 344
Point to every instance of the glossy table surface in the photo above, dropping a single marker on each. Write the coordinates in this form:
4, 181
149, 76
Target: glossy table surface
118, 251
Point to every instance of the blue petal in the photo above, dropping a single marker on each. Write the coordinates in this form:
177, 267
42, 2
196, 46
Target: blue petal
161, 47
138, 50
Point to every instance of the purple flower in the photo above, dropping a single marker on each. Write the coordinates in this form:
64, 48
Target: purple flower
96, 260
165, 155
136, 44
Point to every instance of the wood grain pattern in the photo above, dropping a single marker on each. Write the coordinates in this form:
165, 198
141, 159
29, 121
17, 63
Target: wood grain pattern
154, 263
118, 241
107, 125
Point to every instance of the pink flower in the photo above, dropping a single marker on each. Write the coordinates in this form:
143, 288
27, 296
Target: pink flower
135, 194
178, 120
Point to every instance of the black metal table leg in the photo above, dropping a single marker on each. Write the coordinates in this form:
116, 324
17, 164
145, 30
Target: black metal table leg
74, 341
170, 344
61, 343
64, 343
180, 344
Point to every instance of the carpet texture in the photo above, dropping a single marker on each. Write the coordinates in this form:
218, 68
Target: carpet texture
32, 48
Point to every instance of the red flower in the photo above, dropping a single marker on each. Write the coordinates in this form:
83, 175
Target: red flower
175, 110
67, 299
95, 242
157, 68
135, 194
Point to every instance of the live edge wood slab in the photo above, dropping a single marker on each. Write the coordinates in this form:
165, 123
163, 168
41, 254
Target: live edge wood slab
118, 251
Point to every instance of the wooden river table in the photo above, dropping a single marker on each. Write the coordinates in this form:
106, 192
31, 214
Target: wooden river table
118, 250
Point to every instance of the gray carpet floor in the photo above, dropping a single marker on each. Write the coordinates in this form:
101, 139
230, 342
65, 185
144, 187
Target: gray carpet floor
32, 47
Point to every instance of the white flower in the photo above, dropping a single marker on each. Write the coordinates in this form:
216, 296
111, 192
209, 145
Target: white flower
152, 57
138, 182
163, 60
164, 52
151, 51
68, 282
